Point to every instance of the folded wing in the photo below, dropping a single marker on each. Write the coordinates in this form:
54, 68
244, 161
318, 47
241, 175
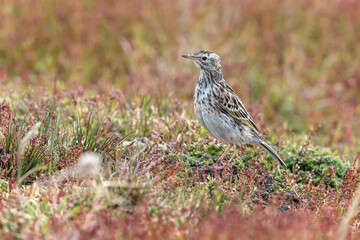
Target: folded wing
230, 104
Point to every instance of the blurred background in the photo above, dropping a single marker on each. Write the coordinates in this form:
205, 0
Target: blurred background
295, 64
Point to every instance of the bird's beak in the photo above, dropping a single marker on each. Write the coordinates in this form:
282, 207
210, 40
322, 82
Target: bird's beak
189, 56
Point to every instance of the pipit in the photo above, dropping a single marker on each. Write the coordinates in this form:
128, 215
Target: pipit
220, 111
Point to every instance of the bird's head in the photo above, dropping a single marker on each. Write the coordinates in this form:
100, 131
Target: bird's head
205, 60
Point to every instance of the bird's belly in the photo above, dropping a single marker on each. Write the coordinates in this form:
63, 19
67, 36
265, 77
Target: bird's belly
226, 129
199, 116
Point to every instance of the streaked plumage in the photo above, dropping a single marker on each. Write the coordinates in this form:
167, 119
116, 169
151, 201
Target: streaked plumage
220, 111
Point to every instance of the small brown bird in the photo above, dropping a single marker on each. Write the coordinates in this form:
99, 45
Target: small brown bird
220, 111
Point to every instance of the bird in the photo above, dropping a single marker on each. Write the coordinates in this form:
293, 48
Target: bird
220, 110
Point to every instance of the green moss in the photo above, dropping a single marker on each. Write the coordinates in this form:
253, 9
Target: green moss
316, 165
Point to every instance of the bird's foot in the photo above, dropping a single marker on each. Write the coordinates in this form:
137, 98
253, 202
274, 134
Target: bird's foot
216, 167
219, 165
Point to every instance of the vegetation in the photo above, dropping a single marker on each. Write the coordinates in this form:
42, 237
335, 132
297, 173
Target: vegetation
98, 138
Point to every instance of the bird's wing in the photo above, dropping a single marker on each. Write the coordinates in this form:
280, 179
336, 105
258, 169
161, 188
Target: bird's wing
230, 104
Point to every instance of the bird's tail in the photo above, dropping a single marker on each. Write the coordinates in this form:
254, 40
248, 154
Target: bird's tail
271, 151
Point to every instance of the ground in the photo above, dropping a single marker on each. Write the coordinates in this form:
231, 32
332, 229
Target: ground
98, 138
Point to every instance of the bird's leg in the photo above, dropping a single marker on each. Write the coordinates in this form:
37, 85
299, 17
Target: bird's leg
236, 151
219, 165
223, 155
231, 158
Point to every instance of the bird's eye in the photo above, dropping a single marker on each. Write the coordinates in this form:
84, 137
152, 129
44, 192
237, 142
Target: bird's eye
204, 58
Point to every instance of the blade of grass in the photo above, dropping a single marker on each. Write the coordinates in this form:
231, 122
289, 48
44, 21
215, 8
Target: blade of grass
346, 222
